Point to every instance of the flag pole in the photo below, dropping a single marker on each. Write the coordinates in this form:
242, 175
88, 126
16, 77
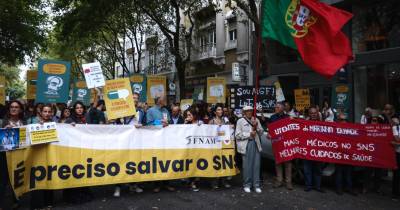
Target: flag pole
258, 62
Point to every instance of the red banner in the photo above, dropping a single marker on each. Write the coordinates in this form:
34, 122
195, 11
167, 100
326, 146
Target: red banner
344, 143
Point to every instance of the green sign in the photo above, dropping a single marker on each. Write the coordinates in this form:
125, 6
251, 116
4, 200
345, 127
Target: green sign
81, 93
53, 81
138, 84
341, 96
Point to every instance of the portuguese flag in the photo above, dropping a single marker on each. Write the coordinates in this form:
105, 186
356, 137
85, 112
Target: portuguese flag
311, 27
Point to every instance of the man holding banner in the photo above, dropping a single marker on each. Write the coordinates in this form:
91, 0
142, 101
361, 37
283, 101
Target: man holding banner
280, 114
313, 169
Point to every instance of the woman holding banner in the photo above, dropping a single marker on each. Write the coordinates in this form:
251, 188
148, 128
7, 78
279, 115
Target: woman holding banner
192, 117
83, 194
43, 198
248, 132
13, 118
220, 119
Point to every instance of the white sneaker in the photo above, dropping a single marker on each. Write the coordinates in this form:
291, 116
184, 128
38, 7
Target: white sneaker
247, 189
135, 188
117, 192
258, 190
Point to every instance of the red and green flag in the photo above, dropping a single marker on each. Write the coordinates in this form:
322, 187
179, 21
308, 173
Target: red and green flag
311, 27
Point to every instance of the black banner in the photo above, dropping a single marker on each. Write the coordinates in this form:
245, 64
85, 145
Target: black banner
244, 96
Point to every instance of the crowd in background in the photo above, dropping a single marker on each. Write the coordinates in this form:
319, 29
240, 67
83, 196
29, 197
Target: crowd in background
248, 132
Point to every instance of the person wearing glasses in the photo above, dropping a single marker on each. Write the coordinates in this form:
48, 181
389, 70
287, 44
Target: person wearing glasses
343, 173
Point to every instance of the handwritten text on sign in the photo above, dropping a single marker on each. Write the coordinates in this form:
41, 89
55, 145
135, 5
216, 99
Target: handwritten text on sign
344, 143
244, 96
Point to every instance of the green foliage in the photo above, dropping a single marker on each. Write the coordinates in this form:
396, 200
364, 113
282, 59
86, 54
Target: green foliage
15, 88
22, 29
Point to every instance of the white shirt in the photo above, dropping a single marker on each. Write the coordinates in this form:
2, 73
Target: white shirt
330, 114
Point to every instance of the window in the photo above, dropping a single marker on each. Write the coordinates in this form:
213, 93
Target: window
232, 35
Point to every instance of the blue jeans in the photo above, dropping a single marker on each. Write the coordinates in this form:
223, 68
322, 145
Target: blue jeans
312, 174
343, 173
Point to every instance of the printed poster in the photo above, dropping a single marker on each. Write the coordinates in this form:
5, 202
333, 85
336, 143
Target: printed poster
156, 87
185, 104
53, 81
216, 90
9, 139
138, 83
302, 99
81, 93
43, 133
118, 98
93, 75
2, 90
341, 99
31, 80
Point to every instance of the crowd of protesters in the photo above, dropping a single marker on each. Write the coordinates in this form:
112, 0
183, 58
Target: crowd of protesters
248, 132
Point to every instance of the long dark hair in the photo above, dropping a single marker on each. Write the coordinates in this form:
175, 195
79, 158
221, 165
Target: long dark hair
194, 113
74, 108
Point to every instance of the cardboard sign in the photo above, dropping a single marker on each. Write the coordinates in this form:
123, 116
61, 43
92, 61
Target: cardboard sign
31, 80
81, 93
53, 81
216, 88
185, 104
156, 87
2, 90
118, 99
93, 75
302, 99
244, 96
43, 133
138, 83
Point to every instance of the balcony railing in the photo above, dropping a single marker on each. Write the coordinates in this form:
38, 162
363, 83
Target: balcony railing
230, 44
205, 52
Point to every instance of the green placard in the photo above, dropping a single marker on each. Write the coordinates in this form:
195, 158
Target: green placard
53, 81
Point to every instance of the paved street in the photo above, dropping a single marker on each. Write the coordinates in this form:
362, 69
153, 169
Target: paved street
233, 198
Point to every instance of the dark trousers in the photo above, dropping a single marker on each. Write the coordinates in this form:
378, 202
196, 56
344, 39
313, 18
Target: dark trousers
312, 173
396, 177
3, 179
41, 199
343, 175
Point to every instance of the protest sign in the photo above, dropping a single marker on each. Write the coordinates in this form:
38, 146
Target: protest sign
90, 155
138, 83
81, 93
216, 88
280, 97
118, 99
302, 99
198, 94
42, 133
31, 80
9, 138
185, 104
242, 96
341, 98
53, 81
93, 75
342, 143
3, 90
156, 87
